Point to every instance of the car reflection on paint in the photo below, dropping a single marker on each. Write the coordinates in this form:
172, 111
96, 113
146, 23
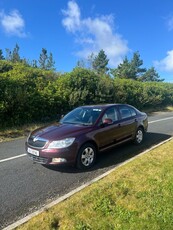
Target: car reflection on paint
84, 132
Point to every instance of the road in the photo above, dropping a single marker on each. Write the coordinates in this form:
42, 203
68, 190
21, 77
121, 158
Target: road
26, 187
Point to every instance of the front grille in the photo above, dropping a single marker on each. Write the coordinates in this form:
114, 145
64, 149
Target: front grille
36, 142
40, 160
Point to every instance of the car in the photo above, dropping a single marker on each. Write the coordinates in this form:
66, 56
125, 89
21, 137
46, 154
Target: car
84, 132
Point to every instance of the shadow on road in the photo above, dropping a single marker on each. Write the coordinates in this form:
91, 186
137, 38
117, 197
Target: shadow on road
129, 150
117, 155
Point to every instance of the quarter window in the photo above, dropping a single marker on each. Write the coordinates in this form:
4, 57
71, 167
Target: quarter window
133, 112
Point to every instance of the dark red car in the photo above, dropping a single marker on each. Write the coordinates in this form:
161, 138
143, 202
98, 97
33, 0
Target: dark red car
84, 132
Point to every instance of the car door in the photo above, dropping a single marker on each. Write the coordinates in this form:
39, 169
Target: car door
109, 134
127, 122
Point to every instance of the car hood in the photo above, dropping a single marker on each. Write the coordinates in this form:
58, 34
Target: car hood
60, 131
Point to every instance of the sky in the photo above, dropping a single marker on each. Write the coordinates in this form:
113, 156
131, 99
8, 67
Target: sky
74, 29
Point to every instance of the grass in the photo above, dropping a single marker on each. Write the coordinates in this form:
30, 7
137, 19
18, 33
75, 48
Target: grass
159, 109
137, 195
7, 134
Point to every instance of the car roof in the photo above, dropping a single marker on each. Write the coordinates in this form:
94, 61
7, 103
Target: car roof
103, 106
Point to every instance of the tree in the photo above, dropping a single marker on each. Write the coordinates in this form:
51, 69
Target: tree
130, 69
8, 54
90, 61
1, 55
34, 63
43, 58
86, 63
15, 54
124, 70
80, 64
100, 63
135, 64
151, 75
50, 62
46, 62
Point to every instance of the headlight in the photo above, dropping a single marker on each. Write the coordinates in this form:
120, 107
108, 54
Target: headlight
61, 143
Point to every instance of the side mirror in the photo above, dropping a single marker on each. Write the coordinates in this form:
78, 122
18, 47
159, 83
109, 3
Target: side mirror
107, 121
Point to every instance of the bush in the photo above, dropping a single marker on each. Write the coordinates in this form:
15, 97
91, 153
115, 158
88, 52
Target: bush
30, 94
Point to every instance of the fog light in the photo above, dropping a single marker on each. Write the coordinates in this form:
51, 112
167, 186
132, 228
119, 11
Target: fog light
58, 160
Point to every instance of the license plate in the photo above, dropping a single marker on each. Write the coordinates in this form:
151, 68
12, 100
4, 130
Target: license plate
33, 152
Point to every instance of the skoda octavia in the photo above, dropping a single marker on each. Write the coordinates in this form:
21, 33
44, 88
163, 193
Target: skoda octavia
84, 132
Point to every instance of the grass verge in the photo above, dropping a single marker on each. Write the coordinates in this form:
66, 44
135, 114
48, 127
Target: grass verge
7, 134
137, 195
159, 109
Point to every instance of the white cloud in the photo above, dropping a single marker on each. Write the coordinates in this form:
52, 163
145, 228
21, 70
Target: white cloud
13, 23
72, 17
94, 34
166, 64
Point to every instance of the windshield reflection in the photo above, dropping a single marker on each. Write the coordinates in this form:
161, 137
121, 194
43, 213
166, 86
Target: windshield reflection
82, 116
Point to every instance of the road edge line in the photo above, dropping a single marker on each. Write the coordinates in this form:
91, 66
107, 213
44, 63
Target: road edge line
66, 196
12, 158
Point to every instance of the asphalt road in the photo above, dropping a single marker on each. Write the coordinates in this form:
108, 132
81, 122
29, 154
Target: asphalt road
25, 187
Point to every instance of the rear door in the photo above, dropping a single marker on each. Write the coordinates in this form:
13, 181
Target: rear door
127, 122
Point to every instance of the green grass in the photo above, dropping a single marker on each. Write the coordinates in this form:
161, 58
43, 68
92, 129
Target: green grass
138, 195
7, 134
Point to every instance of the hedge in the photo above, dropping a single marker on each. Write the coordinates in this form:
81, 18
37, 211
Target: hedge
30, 94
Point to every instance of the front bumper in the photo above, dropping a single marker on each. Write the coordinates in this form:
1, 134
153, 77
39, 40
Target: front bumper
53, 156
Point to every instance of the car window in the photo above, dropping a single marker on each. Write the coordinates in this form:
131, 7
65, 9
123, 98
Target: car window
82, 115
127, 112
133, 112
110, 113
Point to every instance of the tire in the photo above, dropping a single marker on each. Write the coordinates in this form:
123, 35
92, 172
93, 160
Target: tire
139, 136
86, 156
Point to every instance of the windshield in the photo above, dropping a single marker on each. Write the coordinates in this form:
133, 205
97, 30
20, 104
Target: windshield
82, 116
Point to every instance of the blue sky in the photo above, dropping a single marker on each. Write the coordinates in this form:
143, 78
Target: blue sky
72, 30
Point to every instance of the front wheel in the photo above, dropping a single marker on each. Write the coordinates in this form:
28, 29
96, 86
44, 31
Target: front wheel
86, 156
139, 136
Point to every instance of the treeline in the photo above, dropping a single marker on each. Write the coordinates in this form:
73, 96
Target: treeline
30, 94
128, 69
45, 60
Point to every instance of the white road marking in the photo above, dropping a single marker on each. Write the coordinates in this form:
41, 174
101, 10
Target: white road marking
163, 119
12, 158
22, 155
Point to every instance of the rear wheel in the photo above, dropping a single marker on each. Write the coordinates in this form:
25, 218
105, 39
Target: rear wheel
139, 136
86, 156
